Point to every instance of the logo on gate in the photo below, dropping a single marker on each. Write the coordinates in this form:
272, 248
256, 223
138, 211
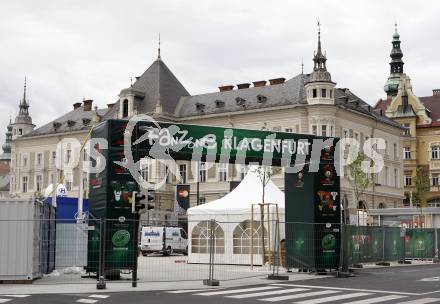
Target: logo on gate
328, 242
121, 238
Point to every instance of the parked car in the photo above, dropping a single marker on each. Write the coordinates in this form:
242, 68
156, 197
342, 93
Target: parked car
165, 240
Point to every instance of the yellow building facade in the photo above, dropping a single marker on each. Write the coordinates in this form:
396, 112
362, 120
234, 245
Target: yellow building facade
420, 116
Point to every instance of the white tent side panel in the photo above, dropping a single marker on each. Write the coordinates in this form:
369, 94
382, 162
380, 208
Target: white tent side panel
229, 212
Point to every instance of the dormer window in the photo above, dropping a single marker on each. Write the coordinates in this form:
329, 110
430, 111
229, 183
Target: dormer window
219, 103
261, 98
315, 93
56, 125
324, 93
86, 121
200, 107
71, 123
240, 101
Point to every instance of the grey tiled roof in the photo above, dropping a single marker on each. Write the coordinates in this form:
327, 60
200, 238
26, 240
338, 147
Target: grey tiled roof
346, 99
290, 92
157, 85
75, 116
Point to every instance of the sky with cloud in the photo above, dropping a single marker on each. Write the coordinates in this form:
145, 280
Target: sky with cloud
70, 50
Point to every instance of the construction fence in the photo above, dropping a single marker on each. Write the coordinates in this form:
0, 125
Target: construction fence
123, 251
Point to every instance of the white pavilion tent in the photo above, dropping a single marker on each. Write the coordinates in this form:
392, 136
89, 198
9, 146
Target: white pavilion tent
233, 226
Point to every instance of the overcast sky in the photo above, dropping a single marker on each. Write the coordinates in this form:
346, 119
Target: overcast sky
75, 49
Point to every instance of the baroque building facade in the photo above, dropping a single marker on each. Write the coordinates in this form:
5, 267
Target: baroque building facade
306, 103
420, 117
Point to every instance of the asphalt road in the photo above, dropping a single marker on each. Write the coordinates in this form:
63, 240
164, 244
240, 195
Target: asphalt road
414, 284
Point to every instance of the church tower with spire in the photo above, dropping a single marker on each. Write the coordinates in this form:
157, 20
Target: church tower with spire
23, 121
319, 85
396, 66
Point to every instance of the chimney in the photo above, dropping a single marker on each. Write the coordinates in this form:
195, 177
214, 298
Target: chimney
277, 81
435, 92
88, 104
226, 88
243, 86
260, 83
77, 105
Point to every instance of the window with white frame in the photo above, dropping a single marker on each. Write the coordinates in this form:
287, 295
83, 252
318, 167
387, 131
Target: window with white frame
288, 130
69, 180
345, 133
182, 172
24, 184
39, 183
68, 156
202, 172
407, 129
324, 130
396, 177
39, 159
25, 163
314, 129
407, 180
435, 152
435, 179
395, 151
407, 153
222, 172
53, 158
385, 175
332, 131
85, 155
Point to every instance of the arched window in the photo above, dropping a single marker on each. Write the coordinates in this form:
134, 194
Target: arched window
435, 152
201, 235
242, 238
382, 206
125, 108
435, 202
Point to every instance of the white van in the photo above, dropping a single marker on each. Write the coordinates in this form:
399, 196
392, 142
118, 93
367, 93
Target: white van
164, 240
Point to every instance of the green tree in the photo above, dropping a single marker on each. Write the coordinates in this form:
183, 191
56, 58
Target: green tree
359, 180
422, 185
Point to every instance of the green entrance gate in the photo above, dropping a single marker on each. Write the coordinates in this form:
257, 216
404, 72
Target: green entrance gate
313, 197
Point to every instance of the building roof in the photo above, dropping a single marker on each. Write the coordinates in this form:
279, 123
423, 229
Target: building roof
290, 92
287, 93
158, 86
431, 103
75, 120
382, 104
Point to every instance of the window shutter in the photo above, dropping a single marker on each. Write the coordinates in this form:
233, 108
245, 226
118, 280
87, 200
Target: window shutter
190, 173
232, 170
212, 172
